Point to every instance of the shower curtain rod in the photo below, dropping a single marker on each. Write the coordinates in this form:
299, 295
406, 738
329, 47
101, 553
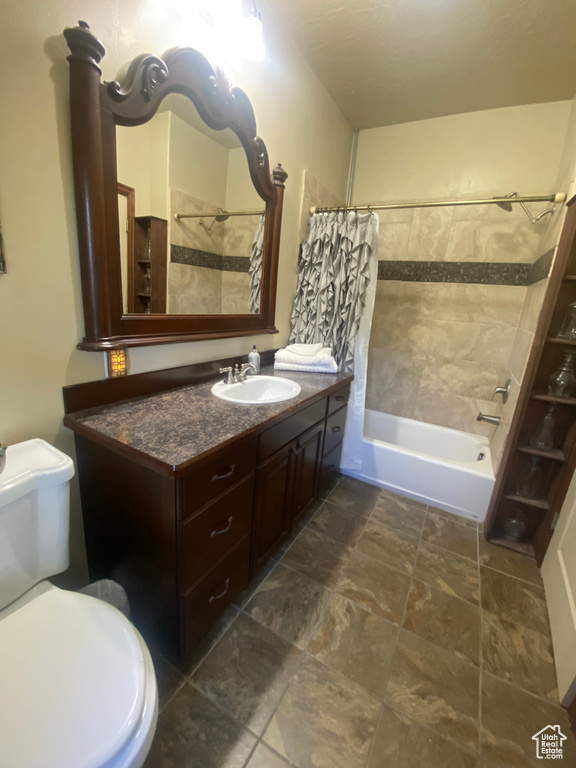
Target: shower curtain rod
558, 197
178, 216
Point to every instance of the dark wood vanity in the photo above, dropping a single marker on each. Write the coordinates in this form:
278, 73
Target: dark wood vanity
185, 538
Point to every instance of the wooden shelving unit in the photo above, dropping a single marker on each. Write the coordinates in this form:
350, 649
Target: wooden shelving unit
555, 467
147, 278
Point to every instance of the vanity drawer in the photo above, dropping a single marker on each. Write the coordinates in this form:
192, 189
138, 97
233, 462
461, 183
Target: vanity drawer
338, 399
209, 534
203, 604
208, 479
277, 437
335, 429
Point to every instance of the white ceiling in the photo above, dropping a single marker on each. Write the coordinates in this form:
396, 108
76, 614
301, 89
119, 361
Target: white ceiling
395, 61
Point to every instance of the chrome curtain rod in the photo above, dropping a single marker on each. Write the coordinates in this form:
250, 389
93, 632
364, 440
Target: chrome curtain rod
178, 216
558, 197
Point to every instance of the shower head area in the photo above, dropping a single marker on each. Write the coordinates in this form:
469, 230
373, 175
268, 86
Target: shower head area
506, 205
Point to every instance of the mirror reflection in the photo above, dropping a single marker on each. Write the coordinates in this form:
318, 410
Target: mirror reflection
191, 222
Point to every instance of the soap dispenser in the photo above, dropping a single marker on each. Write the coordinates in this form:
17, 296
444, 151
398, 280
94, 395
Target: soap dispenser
254, 358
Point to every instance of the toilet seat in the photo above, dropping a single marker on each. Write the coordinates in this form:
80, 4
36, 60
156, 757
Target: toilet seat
73, 679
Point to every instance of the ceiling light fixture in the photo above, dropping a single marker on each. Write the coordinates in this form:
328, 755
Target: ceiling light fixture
252, 40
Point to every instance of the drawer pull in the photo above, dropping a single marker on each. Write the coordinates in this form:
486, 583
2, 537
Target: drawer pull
222, 594
336, 429
225, 475
223, 530
339, 398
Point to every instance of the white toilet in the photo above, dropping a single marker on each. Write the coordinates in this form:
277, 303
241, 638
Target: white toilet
77, 685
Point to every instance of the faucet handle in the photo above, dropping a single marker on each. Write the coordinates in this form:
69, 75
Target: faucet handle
230, 371
504, 391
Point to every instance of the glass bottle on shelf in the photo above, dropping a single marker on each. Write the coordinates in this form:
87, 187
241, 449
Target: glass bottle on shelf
543, 438
562, 383
568, 330
530, 478
515, 526
147, 277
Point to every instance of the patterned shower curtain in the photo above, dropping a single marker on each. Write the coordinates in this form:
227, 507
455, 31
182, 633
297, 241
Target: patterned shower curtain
255, 269
333, 275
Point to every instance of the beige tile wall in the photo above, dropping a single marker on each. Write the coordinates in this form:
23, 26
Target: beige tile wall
314, 193
438, 350
199, 290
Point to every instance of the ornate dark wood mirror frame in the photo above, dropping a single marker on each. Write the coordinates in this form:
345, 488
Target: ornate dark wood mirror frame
96, 109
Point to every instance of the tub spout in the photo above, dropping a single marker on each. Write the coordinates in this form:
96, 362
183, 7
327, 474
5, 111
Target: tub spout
490, 419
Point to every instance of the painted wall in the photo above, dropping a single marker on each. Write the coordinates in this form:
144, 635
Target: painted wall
468, 155
40, 299
438, 350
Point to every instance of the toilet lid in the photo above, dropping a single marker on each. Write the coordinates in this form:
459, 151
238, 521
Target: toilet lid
72, 683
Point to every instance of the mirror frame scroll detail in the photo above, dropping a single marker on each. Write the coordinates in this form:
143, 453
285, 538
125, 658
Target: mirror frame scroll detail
96, 109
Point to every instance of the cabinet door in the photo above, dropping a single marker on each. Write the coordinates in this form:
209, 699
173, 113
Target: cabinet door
307, 473
273, 504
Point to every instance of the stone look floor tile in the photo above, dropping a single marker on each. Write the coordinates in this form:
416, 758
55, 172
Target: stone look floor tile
398, 550
338, 524
373, 585
358, 498
265, 758
357, 643
189, 664
512, 563
448, 621
436, 688
514, 600
451, 573
402, 743
451, 535
519, 655
168, 678
510, 717
454, 518
192, 732
400, 514
317, 557
323, 720
290, 604
255, 583
246, 673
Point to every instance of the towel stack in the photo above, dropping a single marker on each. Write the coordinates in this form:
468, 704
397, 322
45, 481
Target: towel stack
305, 357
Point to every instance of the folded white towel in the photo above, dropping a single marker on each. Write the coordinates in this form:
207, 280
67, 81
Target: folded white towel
306, 350
322, 367
323, 355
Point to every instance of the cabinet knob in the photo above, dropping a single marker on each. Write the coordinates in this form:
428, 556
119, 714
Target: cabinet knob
339, 398
226, 528
336, 429
221, 595
227, 474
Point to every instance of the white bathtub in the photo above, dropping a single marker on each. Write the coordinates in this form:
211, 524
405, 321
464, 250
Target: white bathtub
433, 464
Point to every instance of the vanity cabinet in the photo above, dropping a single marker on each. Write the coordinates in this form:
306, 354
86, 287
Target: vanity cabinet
184, 541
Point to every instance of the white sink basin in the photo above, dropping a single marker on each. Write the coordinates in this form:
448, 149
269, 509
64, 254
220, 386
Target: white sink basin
257, 390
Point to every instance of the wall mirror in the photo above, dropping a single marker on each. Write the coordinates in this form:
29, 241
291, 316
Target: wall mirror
178, 214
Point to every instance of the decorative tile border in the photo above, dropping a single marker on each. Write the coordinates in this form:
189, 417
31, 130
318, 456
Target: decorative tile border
180, 254
485, 273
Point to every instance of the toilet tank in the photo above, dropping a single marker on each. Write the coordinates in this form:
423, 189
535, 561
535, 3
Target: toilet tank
34, 516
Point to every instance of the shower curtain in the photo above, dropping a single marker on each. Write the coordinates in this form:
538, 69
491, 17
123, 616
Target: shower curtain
334, 304
255, 269
333, 278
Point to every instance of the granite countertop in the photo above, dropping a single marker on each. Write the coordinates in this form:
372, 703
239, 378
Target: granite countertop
178, 425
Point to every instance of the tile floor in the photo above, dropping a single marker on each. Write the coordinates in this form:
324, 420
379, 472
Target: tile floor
387, 634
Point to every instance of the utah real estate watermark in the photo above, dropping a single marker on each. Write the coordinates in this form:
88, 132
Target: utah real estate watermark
549, 743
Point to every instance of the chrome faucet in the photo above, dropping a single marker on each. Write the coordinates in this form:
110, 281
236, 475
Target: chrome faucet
490, 419
237, 374
504, 391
